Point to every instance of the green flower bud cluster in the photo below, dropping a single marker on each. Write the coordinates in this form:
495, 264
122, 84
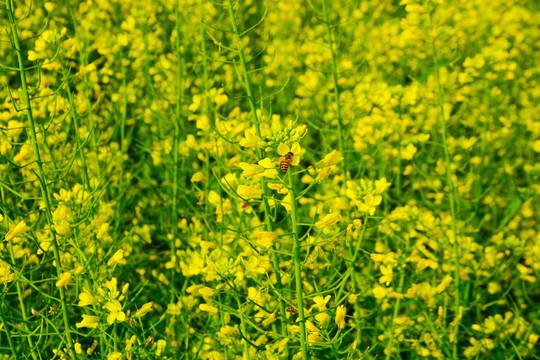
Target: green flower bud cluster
290, 134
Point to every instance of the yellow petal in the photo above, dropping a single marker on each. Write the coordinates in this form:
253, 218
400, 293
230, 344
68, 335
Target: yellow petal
208, 308
65, 279
266, 238
295, 149
16, 231
283, 149
110, 318
248, 192
333, 158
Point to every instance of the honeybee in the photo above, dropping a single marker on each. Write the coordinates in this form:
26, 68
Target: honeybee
285, 161
292, 310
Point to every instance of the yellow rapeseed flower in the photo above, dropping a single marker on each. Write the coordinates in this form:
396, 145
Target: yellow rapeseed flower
248, 192
270, 171
341, 312
250, 139
369, 204
280, 188
146, 308
16, 230
250, 169
114, 356
295, 149
320, 302
117, 258
286, 202
116, 313
102, 230
85, 298
322, 318
5, 273
228, 330
315, 337
88, 321
161, 344
328, 220
330, 159
208, 308
64, 280
266, 238
311, 326
206, 291
388, 275
199, 177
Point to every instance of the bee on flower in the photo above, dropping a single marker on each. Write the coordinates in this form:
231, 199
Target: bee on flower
290, 156
292, 310
285, 161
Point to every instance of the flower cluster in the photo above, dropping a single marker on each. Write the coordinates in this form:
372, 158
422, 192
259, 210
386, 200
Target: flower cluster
302, 179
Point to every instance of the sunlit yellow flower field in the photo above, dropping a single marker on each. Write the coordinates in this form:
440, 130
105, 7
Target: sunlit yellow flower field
248, 180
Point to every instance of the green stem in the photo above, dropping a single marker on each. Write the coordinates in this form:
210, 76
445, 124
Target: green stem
359, 243
341, 140
204, 105
354, 257
41, 173
452, 189
267, 212
479, 186
223, 323
247, 82
177, 121
336, 95
8, 332
21, 300
123, 119
243, 324
399, 171
115, 337
75, 118
83, 58
389, 345
298, 271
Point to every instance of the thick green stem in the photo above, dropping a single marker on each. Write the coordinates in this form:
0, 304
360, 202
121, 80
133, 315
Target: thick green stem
298, 271
267, 212
40, 173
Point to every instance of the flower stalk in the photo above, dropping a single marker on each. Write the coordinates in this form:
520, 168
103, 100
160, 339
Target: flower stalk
298, 270
266, 194
40, 173
336, 94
